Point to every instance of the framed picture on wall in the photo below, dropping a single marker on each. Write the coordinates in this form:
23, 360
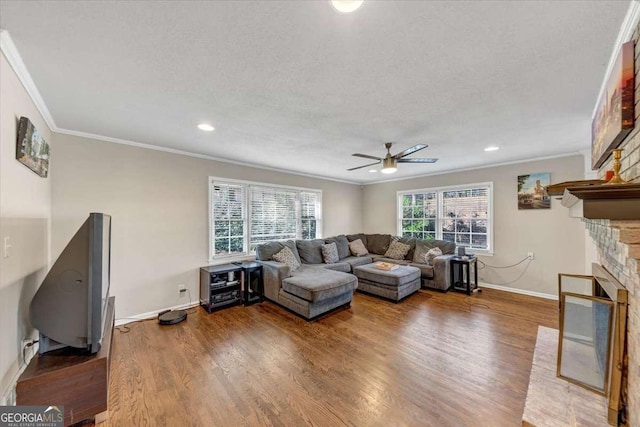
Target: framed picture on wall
31, 149
532, 191
614, 117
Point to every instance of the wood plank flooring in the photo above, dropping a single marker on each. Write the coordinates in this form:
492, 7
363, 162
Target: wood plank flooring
432, 360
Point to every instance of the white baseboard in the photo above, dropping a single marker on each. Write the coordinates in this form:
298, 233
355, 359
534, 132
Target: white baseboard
152, 314
519, 291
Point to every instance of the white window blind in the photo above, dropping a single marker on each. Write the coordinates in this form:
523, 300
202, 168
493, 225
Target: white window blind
245, 214
459, 214
309, 214
465, 215
273, 215
228, 219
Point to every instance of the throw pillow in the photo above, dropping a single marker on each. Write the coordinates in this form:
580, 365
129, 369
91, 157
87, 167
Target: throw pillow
357, 248
422, 247
343, 245
397, 250
287, 257
431, 255
330, 253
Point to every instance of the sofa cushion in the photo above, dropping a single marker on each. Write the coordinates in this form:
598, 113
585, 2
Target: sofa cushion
397, 277
287, 257
355, 261
330, 253
411, 241
342, 243
447, 248
265, 251
310, 251
397, 250
337, 266
357, 248
361, 236
431, 255
318, 284
378, 243
425, 270
422, 247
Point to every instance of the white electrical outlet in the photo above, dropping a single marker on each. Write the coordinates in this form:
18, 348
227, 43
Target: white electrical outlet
181, 289
530, 255
7, 246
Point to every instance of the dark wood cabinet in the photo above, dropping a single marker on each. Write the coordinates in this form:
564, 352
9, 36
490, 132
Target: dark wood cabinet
63, 377
226, 285
220, 286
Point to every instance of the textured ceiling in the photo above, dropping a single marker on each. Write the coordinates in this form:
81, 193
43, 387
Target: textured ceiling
297, 86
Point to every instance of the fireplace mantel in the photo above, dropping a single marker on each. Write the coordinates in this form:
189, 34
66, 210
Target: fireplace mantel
600, 201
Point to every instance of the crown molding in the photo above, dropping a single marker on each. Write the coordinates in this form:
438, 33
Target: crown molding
629, 24
492, 165
10, 52
103, 138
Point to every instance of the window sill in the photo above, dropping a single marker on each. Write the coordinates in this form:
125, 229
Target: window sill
231, 258
481, 253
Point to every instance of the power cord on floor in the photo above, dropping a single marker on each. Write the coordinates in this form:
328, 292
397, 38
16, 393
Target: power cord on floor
126, 328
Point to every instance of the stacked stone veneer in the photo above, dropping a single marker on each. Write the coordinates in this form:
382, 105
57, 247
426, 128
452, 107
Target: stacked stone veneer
618, 244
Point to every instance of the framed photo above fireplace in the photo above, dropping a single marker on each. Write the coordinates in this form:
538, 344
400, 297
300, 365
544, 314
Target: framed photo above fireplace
31, 148
614, 117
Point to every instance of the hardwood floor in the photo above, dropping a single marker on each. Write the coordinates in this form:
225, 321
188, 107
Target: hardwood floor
432, 360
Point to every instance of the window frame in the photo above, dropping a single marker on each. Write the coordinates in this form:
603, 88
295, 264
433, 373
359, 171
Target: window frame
247, 185
440, 206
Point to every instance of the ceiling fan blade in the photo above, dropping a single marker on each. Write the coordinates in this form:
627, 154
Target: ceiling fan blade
364, 166
410, 150
417, 160
366, 156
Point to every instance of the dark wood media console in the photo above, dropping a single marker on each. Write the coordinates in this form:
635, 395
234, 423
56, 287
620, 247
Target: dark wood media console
79, 383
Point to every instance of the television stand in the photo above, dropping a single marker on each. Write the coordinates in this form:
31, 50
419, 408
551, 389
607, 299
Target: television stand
78, 382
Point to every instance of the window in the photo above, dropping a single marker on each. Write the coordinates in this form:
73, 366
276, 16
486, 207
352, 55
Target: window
245, 214
456, 214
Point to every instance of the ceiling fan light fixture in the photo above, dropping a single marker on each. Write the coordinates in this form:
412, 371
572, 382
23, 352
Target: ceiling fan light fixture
389, 165
346, 6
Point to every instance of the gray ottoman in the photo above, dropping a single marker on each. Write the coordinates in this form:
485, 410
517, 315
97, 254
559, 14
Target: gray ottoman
394, 285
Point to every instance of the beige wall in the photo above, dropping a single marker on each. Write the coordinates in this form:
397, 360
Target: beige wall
556, 240
25, 212
158, 202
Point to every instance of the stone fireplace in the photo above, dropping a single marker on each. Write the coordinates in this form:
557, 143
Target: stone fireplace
618, 244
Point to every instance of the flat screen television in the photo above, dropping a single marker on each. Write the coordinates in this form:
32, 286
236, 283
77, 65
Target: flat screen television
69, 308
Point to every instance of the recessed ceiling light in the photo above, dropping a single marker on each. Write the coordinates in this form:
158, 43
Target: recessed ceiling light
346, 6
206, 127
373, 170
492, 148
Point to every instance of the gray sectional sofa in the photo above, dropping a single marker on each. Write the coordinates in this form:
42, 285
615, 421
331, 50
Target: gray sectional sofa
317, 287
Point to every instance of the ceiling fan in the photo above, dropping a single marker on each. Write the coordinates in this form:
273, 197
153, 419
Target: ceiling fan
390, 162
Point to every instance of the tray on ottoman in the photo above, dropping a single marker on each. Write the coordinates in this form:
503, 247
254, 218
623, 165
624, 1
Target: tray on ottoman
394, 285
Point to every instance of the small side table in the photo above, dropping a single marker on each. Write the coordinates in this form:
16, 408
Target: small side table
461, 274
253, 284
